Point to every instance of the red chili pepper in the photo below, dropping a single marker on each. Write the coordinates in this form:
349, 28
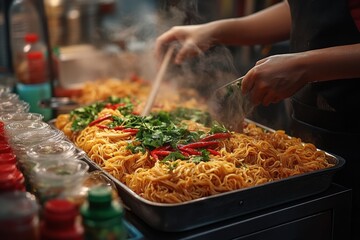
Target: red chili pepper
184, 153
215, 136
161, 152
119, 128
201, 144
102, 126
114, 106
212, 151
154, 155
165, 147
190, 151
131, 130
100, 119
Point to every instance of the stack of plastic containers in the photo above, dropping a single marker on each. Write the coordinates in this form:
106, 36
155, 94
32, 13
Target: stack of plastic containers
43, 177
11, 178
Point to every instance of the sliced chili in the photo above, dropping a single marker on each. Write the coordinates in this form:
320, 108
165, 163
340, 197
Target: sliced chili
100, 119
216, 136
130, 130
201, 144
161, 152
156, 157
213, 152
102, 126
190, 151
114, 106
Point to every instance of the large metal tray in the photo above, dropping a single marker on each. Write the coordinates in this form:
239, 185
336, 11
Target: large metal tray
203, 211
200, 212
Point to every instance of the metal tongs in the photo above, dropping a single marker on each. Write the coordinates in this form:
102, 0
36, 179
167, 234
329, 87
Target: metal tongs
230, 106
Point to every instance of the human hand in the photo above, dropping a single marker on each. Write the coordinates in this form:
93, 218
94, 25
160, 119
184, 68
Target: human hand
193, 40
274, 78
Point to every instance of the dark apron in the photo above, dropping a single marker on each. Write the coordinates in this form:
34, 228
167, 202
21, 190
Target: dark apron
323, 113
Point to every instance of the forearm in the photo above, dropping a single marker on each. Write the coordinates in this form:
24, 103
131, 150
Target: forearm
267, 26
341, 62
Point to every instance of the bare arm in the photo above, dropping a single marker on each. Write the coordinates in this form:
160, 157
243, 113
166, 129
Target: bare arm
280, 76
266, 26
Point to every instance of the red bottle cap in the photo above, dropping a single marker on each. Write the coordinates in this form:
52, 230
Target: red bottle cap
60, 210
7, 158
59, 221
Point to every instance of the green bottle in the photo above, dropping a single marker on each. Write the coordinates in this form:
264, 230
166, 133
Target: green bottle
102, 216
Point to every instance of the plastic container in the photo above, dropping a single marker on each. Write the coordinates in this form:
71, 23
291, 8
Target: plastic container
93, 179
102, 216
19, 217
14, 106
22, 141
59, 150
58, 179
61, 221
53, 150
14, 129
15, 117
7, 96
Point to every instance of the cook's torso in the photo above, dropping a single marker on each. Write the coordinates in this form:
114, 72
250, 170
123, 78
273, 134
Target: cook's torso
320, 24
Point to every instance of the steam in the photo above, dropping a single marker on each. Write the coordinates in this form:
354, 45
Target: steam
204, 73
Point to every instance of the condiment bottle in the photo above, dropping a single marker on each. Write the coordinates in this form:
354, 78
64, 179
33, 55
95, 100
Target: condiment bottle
61, 221
102, 216
19, 217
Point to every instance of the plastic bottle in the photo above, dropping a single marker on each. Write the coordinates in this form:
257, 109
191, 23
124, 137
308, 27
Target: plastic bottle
33, 84
102, 216
61, 221
30, 56
19, 217
24, 18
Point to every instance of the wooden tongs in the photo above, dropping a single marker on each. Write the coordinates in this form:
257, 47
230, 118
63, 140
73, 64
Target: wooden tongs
156, 85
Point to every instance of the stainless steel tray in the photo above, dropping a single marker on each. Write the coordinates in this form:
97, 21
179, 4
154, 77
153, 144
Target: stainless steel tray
200, 212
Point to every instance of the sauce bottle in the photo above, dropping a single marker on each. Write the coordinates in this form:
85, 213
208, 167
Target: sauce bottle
19, 218
102, 216
61, 221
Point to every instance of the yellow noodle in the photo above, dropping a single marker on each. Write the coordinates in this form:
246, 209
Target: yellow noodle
246, 159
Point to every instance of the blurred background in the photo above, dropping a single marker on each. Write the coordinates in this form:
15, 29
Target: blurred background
92, 39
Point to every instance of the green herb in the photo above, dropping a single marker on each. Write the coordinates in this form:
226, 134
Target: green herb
174, 156
204, 157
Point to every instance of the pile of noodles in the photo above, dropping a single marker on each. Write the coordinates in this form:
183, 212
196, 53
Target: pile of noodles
246, 159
